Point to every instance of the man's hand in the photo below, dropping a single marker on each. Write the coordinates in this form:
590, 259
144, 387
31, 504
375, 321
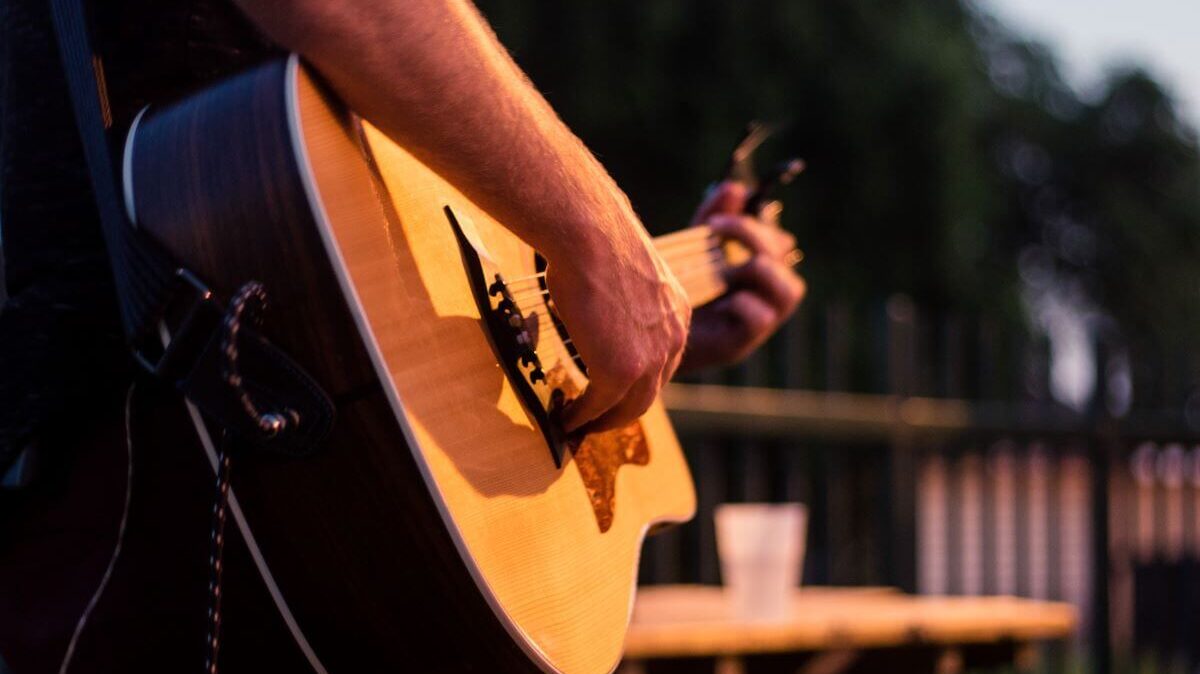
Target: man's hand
630, 324
763, 292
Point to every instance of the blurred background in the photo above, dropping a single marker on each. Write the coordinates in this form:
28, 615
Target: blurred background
992, 387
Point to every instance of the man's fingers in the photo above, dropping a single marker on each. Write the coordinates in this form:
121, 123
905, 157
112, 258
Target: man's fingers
759, 238
632, 405
597, 398
753, 317
770, 213
745, 230
785, 242
727, 197
776, 283
605, 411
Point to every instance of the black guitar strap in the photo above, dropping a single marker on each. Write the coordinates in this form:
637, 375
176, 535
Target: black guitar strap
226, 368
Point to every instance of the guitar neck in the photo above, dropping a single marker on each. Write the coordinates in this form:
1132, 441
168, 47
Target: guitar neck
699, 259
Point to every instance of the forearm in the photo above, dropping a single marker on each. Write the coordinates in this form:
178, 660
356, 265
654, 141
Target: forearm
431, 75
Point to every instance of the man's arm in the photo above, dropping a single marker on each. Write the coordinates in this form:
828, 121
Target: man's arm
431, 75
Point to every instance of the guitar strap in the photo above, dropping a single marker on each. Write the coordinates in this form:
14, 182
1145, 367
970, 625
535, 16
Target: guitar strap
217, 360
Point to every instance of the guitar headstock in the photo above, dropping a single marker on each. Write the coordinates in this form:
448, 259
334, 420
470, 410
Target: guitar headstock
762, 186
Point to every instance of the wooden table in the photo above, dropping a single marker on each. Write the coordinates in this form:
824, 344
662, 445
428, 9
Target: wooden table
687, 628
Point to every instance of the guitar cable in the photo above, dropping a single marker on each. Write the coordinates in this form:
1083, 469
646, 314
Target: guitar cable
250, 299
260, 563
227, 495
215, 459
116, 553
216, 558
256, 553
251, 292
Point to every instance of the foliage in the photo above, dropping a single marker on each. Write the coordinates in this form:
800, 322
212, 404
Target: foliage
947, 156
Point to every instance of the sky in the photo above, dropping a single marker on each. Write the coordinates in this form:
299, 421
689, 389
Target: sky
1091, 36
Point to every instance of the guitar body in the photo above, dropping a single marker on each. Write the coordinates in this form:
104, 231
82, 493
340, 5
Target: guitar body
435, 531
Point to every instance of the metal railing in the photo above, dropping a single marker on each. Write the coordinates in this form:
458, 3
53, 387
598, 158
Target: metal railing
943, 481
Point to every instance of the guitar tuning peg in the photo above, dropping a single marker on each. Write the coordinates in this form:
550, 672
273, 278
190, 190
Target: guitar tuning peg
740, 166
782, 173
770, 212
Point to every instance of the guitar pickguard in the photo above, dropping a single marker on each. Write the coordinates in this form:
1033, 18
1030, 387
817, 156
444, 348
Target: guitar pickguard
600, 455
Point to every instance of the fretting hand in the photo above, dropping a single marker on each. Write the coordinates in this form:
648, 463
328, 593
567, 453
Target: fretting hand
763, 292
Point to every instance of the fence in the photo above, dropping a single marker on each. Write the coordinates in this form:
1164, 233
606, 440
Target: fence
933, 459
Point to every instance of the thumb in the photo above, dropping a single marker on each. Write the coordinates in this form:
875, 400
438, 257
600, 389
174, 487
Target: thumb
588, 406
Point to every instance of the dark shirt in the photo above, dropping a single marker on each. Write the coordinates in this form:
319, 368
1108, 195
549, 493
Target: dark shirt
60, 341
64, 374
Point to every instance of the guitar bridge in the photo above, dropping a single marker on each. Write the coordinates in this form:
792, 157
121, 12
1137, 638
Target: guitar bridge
514, 339
524, 333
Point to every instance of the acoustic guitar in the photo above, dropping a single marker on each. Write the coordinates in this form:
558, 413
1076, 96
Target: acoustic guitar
448, 524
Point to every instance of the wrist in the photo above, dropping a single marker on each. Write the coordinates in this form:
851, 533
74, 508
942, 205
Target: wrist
595, 234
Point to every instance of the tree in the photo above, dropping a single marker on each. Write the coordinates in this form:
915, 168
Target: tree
943, 149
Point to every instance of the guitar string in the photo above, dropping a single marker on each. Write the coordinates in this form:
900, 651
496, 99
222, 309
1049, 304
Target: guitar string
664, 242
672, 259
659, 245
676, 261
700, 260
546, 321
668, 245
540, 310
683, 275
671, 253
685, 279
711, 255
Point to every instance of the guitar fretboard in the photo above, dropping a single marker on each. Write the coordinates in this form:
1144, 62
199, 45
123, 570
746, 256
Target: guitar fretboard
698, 258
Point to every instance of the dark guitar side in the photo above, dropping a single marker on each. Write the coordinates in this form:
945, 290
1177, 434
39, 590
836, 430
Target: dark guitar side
351, 534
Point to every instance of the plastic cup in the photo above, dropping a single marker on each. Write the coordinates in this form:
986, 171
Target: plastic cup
761, 548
